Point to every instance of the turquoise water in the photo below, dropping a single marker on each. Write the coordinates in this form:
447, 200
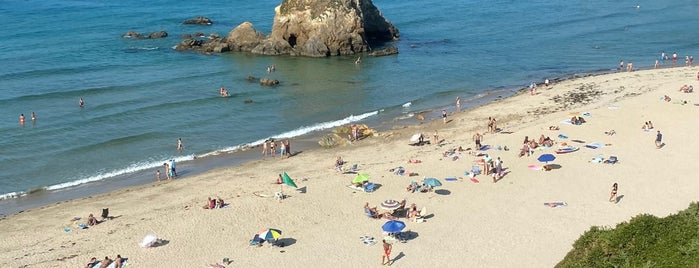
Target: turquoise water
141, 95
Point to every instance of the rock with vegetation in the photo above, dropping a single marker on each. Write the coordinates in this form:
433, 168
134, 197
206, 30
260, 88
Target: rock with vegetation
644, 241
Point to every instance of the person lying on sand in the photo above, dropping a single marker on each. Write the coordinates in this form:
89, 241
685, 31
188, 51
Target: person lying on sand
106, 262
554, 128
219, 203
92, 263
118, 262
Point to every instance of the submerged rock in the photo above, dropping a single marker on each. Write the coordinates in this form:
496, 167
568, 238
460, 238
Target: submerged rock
199, 20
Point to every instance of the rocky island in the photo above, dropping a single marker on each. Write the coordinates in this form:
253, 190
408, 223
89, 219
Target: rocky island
313, 28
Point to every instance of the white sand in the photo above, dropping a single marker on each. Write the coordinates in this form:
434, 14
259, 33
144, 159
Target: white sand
503, 224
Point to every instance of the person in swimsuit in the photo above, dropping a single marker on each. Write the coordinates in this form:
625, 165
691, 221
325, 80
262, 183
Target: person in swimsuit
282, 149
477, 138
92, 263
458, 104
180, 145
386, 258
81, 103
612, 196
272, 149
118, 262
157, 175
33, 116
444, 116
658, 140
21, 119
287, 146
264, 148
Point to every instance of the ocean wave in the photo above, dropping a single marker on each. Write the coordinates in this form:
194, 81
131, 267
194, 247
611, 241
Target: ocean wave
12, 195
297, 132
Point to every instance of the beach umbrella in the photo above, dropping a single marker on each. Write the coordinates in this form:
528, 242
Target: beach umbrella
360, 178
546, 158
288, 181
390, 204
393, 226
270, 234
416, 137
432, 182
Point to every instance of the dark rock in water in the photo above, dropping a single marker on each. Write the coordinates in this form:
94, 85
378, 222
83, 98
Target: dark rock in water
251, 78
269, 82
248, 101
199, 20
186, 36
384, 52
137, 35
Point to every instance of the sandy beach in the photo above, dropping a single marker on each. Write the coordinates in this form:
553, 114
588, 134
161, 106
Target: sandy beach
484, 224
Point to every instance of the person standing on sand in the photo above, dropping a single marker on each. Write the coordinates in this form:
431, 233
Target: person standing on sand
657, 63
264, 148
612, 196
180, 145
629, 67
444, 116
157, 175
658, 140
532, 88
167, 171
621, 65
172, 167
477, 138
287, 147
272, 149
386, 258
458, 104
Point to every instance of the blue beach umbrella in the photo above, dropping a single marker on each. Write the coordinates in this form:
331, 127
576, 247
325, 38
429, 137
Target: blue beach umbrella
432, 182
270, 234
393, 226
546, 158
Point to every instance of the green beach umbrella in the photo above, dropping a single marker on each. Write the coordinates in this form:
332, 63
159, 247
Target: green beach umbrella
288, 181
361, 178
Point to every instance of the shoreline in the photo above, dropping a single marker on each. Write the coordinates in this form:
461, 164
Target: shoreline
503, 224
206, 162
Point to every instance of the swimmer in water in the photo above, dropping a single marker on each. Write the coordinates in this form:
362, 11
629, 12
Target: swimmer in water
21, 119
358, 61
81, 102
33, 116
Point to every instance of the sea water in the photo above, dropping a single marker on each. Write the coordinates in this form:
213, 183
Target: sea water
141, 95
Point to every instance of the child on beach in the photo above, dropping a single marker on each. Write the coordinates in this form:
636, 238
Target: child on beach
157, 175
444, 116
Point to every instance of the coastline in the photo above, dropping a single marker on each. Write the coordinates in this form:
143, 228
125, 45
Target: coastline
238, 155
502, 224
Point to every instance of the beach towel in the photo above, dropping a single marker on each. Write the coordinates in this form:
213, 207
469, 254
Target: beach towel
474, 180
367, 240
358, 189
566, 150
450, 179
567, 121
594, 145
555, 204
533, 167
561, 136
112, 265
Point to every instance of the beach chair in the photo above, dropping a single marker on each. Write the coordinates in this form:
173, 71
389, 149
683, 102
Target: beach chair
612, 160
105, 214
351, 170
256, 241
370, 213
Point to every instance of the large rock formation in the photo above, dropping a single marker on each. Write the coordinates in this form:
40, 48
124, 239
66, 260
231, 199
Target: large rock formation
315, 28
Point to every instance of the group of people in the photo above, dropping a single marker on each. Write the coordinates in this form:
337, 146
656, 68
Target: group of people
170, 171
118, 262
354, 133
687, 89
212, 203
21, 118
647, 126
269, 146
577, 120
492, 125
629, 66
529, 145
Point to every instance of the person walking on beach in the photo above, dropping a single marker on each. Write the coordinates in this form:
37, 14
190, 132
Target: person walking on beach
658, 140
157, 175
621, 65
172, 168
612, 196
444, 116
180, 145
458, 104
386, 258
166, 167
264, 148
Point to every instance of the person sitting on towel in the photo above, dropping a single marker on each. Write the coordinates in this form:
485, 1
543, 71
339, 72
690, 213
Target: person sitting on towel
92, 262
91, 220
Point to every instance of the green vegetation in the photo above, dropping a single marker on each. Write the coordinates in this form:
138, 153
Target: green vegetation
644, 241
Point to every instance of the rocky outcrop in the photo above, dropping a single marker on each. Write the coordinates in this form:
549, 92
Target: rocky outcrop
384, 52
137, 35
199, 20
314, 28
269, 82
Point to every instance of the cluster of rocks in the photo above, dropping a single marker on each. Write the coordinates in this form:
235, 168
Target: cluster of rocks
137, 35
340, 135
314, 28
584, 94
